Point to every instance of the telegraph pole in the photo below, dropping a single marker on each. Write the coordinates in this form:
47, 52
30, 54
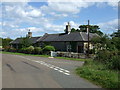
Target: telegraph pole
88, 29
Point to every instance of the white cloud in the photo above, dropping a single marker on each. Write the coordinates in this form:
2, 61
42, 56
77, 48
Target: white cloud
58, 15
66, 7
73, 24
54, 28
109, 26
35, 29
21, 13
2, 33
34, 13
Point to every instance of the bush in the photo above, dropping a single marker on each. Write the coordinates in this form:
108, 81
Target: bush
114, 63
109, 58
23, 50
12, 50
29, 50
37, 50
47, 49
7, 48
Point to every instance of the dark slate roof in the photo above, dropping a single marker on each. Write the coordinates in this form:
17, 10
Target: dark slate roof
74, 36
32, 40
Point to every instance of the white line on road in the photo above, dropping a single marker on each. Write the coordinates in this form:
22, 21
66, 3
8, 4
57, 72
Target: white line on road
59, 69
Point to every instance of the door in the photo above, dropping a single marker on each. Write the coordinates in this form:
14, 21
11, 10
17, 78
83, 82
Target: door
80, 49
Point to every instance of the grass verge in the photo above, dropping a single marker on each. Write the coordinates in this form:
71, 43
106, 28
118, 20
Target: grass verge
99, 74
74, 59
15, 53
65, 58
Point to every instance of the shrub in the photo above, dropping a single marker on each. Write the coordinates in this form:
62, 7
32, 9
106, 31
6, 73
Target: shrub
37, 50
48, 48
29, 50
109, 58
7, 48
23, 50
114, 63
12, 50
103, 56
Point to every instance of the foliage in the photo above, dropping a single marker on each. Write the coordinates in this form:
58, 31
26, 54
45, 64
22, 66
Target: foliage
83, 28
107, 51
22, 50
10, 49
0, 41
92, 28
30, 50
73, 30
7, 48
109, 58
47, 49
116, 41
27, 50
6, 42
37, 50
25, 42
116, 34
99, 74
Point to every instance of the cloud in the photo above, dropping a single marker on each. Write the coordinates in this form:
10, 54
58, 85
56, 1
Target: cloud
2, 34
53, 28
110, 26
18, 17
73, 24
65, 7
58, 15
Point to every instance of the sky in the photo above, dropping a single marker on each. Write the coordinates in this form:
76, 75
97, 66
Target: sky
16, 18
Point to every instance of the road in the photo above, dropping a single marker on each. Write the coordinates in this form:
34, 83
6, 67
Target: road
39, 72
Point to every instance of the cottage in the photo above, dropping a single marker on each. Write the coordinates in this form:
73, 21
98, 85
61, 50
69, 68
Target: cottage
68, 41
17, 43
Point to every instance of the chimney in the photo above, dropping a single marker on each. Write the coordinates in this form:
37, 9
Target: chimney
29, 34
68, 28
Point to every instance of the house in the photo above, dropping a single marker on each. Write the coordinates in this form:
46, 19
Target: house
68, 41
17, 43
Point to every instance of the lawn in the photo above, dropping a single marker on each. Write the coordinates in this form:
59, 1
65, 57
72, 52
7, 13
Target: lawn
99, 74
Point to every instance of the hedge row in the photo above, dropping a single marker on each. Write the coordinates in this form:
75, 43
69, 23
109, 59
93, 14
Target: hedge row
32, 50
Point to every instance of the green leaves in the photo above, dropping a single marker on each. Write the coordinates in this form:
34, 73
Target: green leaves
6, 42
25, 42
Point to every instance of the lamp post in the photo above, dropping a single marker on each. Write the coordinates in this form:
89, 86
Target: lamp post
88, 28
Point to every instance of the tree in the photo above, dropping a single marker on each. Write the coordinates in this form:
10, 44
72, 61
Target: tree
73, 30
116, 39
92, 28
116, 34
25, 42
6, 42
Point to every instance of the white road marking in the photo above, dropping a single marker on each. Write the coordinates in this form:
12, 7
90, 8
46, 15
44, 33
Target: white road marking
59, 69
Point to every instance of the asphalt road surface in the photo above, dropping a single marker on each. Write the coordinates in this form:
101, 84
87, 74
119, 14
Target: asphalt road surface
38, 72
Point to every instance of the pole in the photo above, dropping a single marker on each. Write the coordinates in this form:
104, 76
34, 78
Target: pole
88, 37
